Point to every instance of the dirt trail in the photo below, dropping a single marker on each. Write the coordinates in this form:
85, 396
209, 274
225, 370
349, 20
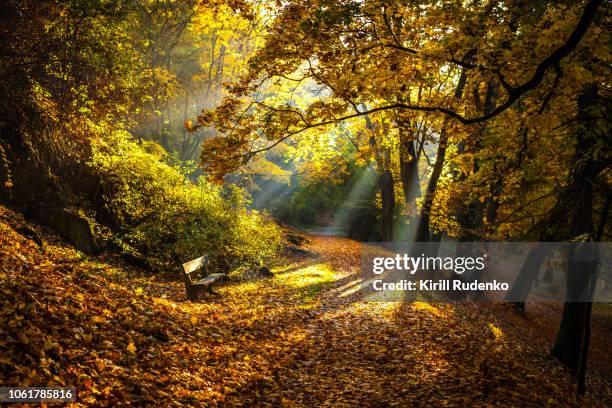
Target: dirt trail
398, 354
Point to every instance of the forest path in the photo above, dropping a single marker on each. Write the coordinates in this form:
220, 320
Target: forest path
347, 351
121, 336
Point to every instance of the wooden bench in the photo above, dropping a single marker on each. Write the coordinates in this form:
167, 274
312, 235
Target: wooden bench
193, 285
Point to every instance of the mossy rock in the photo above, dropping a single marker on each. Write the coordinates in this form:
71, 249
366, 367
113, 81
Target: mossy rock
76, 228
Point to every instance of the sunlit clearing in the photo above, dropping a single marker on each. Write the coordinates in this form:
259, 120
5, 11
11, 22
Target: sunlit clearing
308, 276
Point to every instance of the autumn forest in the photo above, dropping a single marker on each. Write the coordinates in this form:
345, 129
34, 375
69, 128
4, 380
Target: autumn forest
304, 203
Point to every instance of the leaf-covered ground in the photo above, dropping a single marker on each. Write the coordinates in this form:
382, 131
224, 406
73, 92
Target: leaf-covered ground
303, 338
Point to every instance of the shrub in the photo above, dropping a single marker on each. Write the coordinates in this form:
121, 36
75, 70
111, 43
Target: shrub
162, 215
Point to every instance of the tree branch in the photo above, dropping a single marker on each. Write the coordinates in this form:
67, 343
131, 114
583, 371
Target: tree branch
514, 92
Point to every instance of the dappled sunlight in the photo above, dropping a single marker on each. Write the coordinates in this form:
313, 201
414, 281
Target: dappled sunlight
166, 302
429, 308
379, 309
310, 275
241, 288
288, 266
351, 288
497, 332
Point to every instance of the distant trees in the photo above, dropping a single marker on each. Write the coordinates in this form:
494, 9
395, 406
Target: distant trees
190, 49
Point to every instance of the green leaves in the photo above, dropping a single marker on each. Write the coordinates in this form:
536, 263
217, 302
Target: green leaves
165, 216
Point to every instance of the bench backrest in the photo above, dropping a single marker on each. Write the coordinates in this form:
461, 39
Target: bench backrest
195, 265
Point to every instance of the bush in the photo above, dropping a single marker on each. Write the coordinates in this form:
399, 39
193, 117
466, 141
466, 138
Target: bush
162, 215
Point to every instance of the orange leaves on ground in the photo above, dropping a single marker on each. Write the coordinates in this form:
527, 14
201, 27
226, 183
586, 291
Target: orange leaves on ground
68, 320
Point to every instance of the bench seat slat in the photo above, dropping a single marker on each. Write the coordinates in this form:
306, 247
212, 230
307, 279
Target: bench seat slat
194, 265
208, 280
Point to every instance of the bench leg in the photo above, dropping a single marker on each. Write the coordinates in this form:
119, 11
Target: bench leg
192, 294
193, 291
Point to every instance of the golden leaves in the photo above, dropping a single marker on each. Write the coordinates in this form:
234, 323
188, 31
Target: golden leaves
98, 319
288, 341
131, 348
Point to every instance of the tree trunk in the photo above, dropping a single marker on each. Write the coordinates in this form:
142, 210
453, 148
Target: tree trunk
385, 184
586, 342
571, 345
423, 234
472, 216
529, 271
186, 133
409, 166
